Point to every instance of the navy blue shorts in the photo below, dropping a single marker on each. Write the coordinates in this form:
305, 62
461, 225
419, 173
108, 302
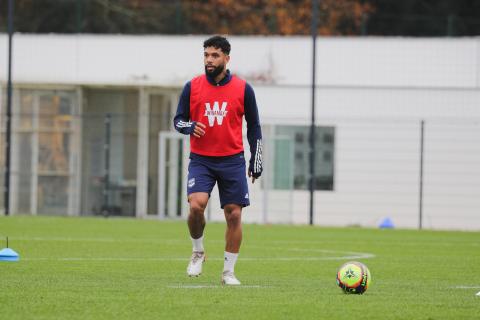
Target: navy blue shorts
229, 172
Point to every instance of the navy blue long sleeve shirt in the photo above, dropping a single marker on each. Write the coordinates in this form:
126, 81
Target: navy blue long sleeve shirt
184, 125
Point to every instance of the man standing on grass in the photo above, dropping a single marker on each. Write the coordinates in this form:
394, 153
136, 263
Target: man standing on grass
211, 111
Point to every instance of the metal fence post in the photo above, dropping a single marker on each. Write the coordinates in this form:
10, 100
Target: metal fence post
420, 203
106, 177
8, 138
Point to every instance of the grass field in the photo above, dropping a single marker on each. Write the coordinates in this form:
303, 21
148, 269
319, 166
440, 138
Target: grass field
95, 268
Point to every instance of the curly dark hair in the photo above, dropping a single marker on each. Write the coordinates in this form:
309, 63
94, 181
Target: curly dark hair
218, 42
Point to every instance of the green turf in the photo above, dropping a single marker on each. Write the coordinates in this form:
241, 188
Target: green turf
95, 268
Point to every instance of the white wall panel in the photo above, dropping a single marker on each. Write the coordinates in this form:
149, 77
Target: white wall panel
452, 175
172, 60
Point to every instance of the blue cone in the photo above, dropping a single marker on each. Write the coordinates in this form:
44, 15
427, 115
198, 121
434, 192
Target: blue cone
387, 223
8, 254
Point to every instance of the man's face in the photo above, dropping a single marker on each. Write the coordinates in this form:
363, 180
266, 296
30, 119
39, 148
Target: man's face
215, 61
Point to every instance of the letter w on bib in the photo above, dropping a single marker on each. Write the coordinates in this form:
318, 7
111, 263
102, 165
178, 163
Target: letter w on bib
215, 113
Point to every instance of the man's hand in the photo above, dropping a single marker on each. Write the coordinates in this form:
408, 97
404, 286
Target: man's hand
250, 176
254, 175
199, 130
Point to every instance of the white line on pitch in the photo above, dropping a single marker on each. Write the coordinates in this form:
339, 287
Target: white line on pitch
347, 255
213, 286
182, 241
108, 240
466, 287
211, 259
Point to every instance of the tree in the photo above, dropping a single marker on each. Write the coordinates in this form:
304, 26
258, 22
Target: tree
264, 17
424, 17
284, 17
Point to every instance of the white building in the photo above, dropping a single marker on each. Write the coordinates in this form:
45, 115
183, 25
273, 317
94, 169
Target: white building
372, 96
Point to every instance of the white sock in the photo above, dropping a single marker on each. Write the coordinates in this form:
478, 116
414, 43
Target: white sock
229, 261
198, 244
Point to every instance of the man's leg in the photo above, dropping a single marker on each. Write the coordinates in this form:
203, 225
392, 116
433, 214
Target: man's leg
233, 234
196, 218
233, 240
233, 191
196, 224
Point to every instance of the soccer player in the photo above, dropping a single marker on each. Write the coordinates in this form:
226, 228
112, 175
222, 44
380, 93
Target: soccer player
211, 110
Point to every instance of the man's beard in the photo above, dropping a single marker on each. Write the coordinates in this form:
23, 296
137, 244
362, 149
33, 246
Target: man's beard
215, 72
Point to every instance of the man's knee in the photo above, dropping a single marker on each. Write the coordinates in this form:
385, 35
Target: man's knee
197, 205
233, 214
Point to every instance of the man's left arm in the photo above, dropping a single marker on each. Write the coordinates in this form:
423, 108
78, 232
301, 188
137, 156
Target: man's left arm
254, 134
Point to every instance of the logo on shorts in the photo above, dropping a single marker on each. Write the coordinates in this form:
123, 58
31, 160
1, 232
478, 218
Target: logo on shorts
246, 196
215, 113
191, 182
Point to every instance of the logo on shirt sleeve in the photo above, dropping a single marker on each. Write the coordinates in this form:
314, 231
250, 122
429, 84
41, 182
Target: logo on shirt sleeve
216, 112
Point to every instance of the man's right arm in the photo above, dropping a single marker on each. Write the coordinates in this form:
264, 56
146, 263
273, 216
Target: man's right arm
181, 121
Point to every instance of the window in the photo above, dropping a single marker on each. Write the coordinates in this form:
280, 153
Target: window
291, 157
122, 106
42, 173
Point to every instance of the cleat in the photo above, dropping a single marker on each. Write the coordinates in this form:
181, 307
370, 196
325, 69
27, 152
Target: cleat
194, 268
229, 279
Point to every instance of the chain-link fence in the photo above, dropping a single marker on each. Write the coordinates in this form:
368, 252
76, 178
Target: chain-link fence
95, 151
413, 172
